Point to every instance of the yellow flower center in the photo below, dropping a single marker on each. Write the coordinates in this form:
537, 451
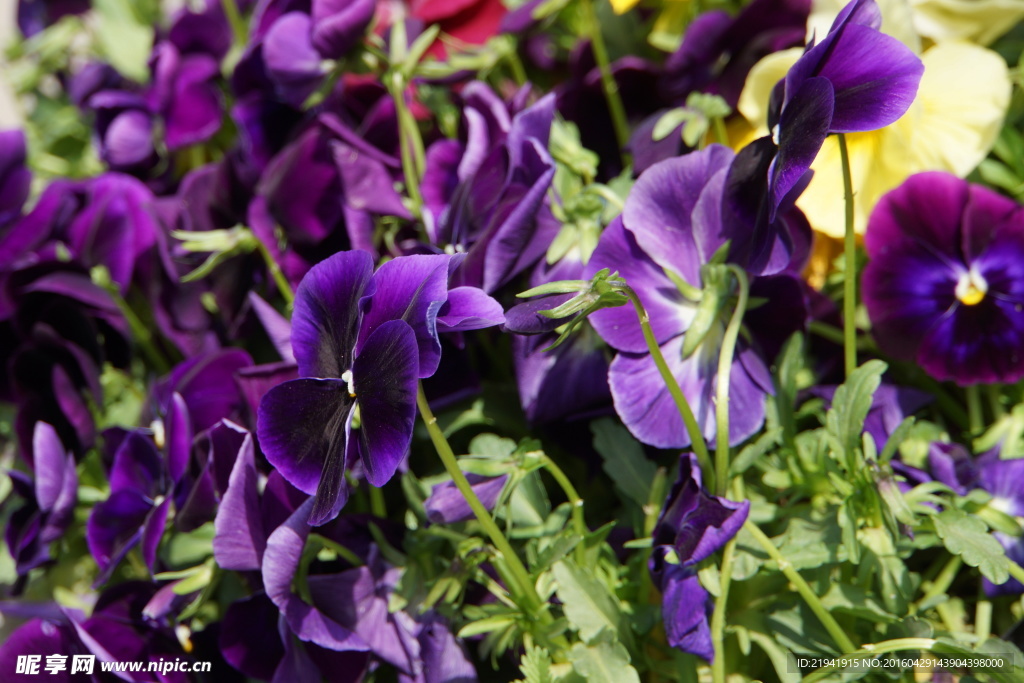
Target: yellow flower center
971, 288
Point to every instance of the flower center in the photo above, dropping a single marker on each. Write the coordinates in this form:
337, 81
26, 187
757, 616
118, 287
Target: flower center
347, 376
971, 287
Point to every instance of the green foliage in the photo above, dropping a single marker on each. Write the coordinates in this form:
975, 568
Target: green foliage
968, 537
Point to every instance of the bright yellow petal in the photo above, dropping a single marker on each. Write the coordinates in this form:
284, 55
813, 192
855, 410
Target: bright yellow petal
623, 6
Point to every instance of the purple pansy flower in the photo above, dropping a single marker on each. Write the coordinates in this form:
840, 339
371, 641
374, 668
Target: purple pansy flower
945, 283
486, 197
856, 79
15, 178
679, 213
49, 501
693, 525
362, 340
447, 505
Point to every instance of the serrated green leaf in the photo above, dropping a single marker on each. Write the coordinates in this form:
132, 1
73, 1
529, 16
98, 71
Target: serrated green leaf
536, 666
967, 536
603, 661
854, 600
851, 403
588, 604
623, 460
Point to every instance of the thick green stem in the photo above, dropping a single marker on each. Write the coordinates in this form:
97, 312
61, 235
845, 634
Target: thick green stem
850, 260
611, 88
525, 587
575, 502
725, 358
718, 618
697, 443
802, 587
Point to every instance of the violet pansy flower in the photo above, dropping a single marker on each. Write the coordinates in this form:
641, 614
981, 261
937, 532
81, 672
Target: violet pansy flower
945, 283
49, 501
679, 213
856, 79
693, 526
362, 341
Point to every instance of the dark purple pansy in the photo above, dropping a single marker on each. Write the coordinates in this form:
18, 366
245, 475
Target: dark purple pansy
693, 525
141, 485
945, 283
36, 15
856, 79
15, 178
49, 498
362, 340
679, 213
292, 39
349, 609
486, 196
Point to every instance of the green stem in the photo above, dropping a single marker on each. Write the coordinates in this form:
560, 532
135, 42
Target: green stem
983, 617
995, 400
611, 88
521, 577
142, 335
377, 505
802, 587
575, 502
410, 141
850, 256
718, 617
943, 581
238, 28
1016, 571
974, 414
873, 650
725, 357
280, 280
721, 133
697, 442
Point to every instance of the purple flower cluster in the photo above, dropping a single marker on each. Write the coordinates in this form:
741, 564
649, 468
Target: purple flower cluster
305, 234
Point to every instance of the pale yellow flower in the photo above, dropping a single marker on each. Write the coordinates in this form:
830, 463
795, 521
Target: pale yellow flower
981, 21
951, 126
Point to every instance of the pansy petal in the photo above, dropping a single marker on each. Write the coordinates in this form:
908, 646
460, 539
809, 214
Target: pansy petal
303, 431
803, 127
325, 321
239, 537
469, 308
411, 289
385, 376
339, 24
659, 209
49, 459
685, 610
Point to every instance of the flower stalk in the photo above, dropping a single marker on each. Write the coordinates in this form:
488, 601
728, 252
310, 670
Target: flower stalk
850, 266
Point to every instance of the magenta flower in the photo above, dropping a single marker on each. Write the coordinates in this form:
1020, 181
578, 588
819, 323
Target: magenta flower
945, 284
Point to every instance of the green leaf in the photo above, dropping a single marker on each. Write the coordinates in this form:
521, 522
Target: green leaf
624, 460
124, 38
536, 665
967, 536
755, 451
588, 604
669, 121
855, 601
808, 544
603, 661
851, 403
